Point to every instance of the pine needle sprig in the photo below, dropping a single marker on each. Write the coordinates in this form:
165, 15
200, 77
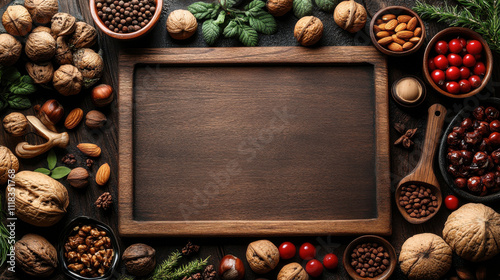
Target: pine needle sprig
187, 269
166, 266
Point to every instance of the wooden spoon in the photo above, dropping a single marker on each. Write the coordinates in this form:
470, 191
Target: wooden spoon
423, 174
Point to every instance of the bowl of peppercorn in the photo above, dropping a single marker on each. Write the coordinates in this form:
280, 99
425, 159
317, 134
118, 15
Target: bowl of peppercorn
126, 19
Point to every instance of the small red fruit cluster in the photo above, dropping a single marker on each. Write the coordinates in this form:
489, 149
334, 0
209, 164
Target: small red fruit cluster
457, 67
308, 252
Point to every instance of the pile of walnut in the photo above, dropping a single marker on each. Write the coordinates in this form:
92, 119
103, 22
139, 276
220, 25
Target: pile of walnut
59, 55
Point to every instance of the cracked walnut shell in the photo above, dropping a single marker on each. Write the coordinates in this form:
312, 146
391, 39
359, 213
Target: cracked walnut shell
68, 80
35, 255
85, 36
181, 24
262, 256
40, 73
10, 50
8, 161
15, 124
139, 259
293, 271
308, 30
42, 11
40, 46
350, 16
17, 20
278, 8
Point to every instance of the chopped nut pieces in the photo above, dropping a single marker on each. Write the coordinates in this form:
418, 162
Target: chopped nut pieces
89, 162
418, 201
370, 259
104, 201
69, 159
190, 249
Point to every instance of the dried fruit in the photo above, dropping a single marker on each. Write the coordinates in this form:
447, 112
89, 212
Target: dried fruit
278, 8
308, 30
181, 24
102, 175
63, 24
85, 36
73, 119
350, 16
15, 124
78, 177
8, 161
90, 64
41, 73
63, 52
68, 80
89, 149
95, 119
17, 20
40, 46
10, 50
41, 11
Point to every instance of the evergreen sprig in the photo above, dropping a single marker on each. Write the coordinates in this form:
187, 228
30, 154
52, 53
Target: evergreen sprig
482, 16
169, 269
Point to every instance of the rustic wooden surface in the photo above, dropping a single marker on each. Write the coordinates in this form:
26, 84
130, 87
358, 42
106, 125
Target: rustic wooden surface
402, 161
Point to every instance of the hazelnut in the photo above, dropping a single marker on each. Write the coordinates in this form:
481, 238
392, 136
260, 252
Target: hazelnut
15, 124
41, 11
68, 80
181, 24
308, 30
10, 50
78, 177
350, 16
50, 113
262, 256
40, 46
293, 271
41, 73
95, 119
102, 95
139, 259
63, 24
17, 20
90, 64
35, 255
278, 8
231, 268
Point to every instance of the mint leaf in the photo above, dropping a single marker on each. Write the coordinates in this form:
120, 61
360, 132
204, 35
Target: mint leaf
302, 8
43, 171
248, 36
220, 19
52, 159
211, 31
326, 5
231, 30
264, 23
202, 10
23, 86
10, 75
227, 3
18, 102
60, 172
255, 5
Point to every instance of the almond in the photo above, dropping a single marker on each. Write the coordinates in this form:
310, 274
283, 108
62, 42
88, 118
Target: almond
376, 29
405, 34
414, 40
382, 34
404, 18
384, 41
400, 27
408, 45
412, 24
381, 26
417, 32
379, 21
395, 47
397, 40
102, 175
74, 118
89, 149
391, 24
388, 17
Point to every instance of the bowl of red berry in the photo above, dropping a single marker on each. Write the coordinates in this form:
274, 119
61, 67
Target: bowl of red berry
458, 62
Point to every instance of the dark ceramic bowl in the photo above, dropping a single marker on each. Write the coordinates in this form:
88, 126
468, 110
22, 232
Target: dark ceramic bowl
71, 229
443, 147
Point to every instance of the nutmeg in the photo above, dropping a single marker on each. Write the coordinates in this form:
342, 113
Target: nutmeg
262, 256
17, 20
278, 8
35, 255
293, 271
63, 24
102, 95
139, 259
308, 30
68, 80
350, 16
181, 24
42, 11
95, 119
8, 161
15, 124
10, 50
90, 64
40, 46
41, 73
78, 177
85, 36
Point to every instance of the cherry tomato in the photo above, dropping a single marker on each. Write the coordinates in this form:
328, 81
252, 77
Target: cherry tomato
330, 261
454, 59
451, 202
463, 42
465, 86
469, 60
314, 268
438, 77
494, 138
452, 73
307, 251
475, 81
479, 69
441, 47
441, 62
464, 72
431, 64
453, 87
455, 46
287, 250
474, 47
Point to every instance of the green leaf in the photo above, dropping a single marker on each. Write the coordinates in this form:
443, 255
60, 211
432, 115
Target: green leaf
248, 36
220, 19
10, 75
264, 23
23, 86
18, 102
60, 172
43, 171
52, 159
302, 8
232, 29
211, 31
255, 5
326, 5
227, 3
202, 10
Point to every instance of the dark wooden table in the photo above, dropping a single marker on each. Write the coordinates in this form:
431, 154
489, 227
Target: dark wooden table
402, 160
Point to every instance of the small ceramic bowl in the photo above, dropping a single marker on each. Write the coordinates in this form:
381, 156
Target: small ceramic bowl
397, 11
400, 98
447, 35
72, 229
370, 239
126, 36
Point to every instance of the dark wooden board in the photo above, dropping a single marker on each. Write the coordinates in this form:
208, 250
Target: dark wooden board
253, 141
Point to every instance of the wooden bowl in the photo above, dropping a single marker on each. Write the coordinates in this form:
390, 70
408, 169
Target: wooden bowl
447, 35
370, 239
131, 35
396, 10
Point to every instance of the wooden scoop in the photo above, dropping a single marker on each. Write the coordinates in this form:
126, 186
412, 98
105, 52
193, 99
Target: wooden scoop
423, 174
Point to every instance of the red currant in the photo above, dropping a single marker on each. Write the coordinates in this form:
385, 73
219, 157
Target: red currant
464, 72
287, 250
453, 87
454, 59
479, 69
441, 62
451, 202
475, 81
465, 86
455, 46
441, 47
469, 60
474, 47
438, 77
314, 268
431, 64
307, 251
452, 73
330, 261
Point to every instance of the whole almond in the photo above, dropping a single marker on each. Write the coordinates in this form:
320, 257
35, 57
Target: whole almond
400, 27
74, 118
395, 47
414, 40
391, 24
404, 18
388, 17
405, 34
379, 21
78, 177
397, 40
408, 45
95, 119
417, 32
382, 34
384, 41
89, 149
381, 26
102, 175
412, 24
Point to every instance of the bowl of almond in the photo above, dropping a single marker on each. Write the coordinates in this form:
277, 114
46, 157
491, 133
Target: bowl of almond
397, 31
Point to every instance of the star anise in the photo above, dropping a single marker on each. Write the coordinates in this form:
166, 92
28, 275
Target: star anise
104, 201
405, 139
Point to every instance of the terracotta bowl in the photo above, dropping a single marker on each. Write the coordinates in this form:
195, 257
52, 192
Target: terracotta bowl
370, 239
447, 35
126, 36
396, 10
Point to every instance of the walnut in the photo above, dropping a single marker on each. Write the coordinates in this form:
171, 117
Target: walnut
10, 50
63, 52
139, 259
293, 271
68, 80
40, 46
308, 30
262, 256
15, 124
41, 11
181, 24
8, 161
17, 20
278, 8
40, 200
85, 36
90, 65
35, 255
63, 24
350, 16
41, 73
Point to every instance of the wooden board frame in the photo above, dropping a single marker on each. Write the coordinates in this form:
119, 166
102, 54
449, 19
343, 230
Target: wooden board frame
128, 60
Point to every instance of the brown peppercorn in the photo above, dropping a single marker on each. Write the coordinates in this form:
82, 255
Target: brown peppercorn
308, 30
17, 20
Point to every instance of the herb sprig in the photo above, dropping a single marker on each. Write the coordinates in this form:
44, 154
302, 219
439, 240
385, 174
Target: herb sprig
14, 89
53, 171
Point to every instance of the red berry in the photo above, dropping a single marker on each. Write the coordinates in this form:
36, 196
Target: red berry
441, 62
455, 46
479, 69
464, 72
454, 59
438, 77
431, 64
287, 250
474, 47
451, 202
453, 87
330, 261
452, 73
494, 139
469, 60
465, 86
475, 81
307, 251
463, 42
441, 47
314, 268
